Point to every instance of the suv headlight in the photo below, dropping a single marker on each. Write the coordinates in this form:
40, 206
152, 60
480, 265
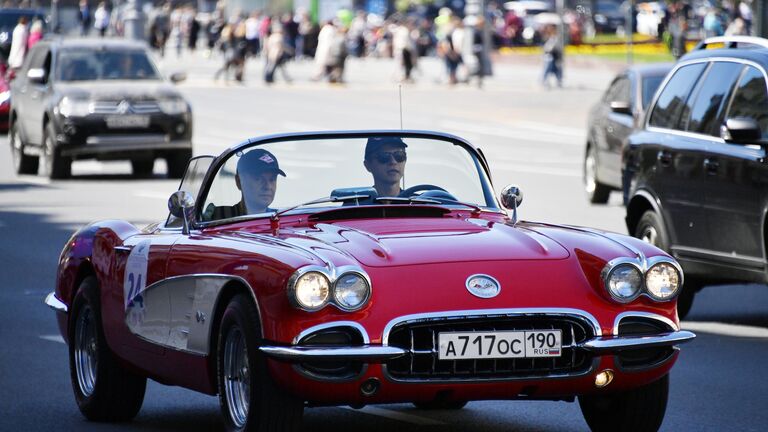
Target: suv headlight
662, 281
172, 106
624, 282
310, 291
351, 291
69, 107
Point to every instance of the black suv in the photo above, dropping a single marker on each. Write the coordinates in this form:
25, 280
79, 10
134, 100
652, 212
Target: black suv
96, 99
695, 178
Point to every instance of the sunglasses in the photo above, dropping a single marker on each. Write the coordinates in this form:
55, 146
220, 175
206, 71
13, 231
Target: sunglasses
384, 157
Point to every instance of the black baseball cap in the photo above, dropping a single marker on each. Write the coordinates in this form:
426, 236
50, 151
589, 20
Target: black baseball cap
259, 160
375, 143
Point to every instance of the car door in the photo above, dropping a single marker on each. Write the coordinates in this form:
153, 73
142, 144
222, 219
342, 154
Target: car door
737, 179
21, 93
36, 93
678, 156
617, 127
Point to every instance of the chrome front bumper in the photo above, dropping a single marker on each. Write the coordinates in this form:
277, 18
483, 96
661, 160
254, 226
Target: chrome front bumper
378, 354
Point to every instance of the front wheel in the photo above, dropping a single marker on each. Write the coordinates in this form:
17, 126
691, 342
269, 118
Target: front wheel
104, 391
22, 163
597, 193
249, 399
55, 166
142, 167
177, 163
637, 410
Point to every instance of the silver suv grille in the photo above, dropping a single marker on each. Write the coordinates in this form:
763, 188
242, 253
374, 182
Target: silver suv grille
124, 107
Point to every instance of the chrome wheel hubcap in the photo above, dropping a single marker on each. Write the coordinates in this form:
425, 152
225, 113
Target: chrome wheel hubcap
589, 172
86, 359
237, 376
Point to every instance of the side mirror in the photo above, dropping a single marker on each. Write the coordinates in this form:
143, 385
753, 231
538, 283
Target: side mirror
511, 197
36, 75
621, 107
178, 77
741, 130
181, 204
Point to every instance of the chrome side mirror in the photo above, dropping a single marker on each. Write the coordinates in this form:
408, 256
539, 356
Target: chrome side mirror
36, 75
741, 130
621, 107
181, 204
511, 198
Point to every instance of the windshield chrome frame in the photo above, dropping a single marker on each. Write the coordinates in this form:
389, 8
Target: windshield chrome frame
481, 164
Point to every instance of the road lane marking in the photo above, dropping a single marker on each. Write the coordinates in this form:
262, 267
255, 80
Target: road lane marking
525, 135
395, 415
722, 329
53, 338
152, 194
535, 170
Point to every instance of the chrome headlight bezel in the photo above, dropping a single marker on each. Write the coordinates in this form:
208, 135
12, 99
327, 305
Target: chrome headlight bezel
332, 275
612, 268
362, 277
294, 287
644, 267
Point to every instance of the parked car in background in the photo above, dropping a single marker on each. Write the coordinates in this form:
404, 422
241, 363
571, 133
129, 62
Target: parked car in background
695, 174
608, 16
5, 100
618, 113
255, 289
96, 99
528, 11
9, 17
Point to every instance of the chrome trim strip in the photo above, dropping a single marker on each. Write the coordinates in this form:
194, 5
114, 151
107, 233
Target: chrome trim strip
751, 40
460, 314
757, 262
305, 353
54, 303
606, 345
648, 315
325, 326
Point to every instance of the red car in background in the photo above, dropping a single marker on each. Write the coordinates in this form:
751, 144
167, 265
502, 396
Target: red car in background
5, 100
255, 289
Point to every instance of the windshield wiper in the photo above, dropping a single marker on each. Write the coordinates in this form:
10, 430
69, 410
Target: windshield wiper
476, 210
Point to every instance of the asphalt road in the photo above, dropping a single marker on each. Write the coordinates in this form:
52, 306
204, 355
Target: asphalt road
532, 137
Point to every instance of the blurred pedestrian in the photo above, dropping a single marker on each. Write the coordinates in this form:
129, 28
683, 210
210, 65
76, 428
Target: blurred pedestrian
101, 19
482, 60
18, 44
84, 16
277, 52
160, 28
553, 56
745, 13
712, 25
35, 33
252, 33
404, 49
323, 51
337, 56
227, 47
193, 26
679, 37
451, 48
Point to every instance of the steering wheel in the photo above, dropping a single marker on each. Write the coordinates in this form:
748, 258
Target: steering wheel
430, 191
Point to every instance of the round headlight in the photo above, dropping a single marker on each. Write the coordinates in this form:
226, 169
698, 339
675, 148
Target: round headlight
351, 291
311, 290
662, 281
624, 282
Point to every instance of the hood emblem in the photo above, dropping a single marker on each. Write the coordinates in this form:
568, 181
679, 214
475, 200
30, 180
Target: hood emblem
124, 107
483, 286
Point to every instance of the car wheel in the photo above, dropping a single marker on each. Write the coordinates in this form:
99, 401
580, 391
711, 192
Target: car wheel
637, 410
651, 229
597, 193
440, 405
104, 391
249, 398
142, 167
177, 163
22, 164
54, 165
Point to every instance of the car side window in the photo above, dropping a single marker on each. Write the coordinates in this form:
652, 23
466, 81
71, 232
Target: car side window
192, 182
669, 106
34, 59
751, 99
712, 94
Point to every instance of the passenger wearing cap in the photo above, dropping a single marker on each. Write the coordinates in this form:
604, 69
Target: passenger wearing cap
385, 159
256, 178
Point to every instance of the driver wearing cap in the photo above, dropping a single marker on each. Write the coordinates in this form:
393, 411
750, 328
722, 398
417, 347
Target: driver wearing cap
256, 178
385, 159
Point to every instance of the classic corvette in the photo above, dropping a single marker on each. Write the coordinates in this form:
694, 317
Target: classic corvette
314, 269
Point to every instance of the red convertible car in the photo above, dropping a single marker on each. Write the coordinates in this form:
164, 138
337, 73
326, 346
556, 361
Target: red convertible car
364, 267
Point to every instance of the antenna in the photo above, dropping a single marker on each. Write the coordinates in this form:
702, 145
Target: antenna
400, 91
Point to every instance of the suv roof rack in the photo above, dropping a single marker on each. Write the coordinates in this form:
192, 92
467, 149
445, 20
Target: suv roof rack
732, 42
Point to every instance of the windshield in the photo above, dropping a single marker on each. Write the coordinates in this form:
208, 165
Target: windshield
90, 64
261, 180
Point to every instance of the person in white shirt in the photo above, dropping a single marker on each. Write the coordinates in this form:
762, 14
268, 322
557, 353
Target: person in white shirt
101, 19
18, 44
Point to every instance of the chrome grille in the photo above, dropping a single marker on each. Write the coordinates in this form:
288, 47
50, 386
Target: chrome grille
124, 107
422, 363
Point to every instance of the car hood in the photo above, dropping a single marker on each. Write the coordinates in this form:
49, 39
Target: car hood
118, 89
402, 242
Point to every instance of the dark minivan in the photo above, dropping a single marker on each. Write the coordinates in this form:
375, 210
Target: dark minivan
696, 176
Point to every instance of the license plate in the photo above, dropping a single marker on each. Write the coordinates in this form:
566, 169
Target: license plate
499, 344
127, 121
